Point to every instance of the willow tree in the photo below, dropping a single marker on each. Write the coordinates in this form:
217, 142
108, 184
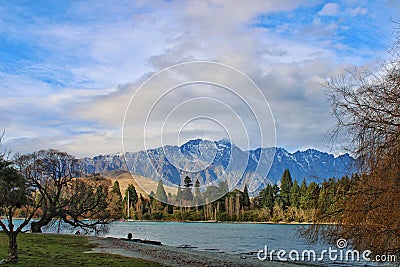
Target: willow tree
55, 177
367, 107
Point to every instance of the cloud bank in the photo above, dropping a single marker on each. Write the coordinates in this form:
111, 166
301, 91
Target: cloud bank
68, 70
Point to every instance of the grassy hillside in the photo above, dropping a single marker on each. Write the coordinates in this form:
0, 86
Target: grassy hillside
124, 178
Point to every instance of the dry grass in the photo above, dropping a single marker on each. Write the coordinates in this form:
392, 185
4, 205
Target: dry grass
142, 184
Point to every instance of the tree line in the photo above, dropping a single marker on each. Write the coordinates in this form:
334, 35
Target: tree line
289, 202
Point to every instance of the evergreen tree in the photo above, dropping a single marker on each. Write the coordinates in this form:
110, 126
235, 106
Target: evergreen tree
275, 191
295, 195
267, 198
133, 196
151, 195
245, 201
327, 196
303, 192
133, 199
187, 190
161, 195
115, 202
312, 195
286, 187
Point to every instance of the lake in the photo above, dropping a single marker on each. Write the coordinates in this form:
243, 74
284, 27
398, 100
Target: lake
232, 238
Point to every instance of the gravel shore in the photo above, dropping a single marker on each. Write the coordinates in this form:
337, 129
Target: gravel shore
173, 256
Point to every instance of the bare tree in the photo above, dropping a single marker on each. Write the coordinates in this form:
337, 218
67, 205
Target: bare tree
55, 176
86, 202
367, 107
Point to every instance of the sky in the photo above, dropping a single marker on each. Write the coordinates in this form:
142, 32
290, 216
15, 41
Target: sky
69, 69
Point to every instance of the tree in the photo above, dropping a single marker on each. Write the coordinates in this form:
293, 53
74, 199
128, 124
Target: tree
161, 195
286, 187
295, 195
54, 176
15, 193
115, 202
267, 198
310, 200
213, 192
187, 190
366, 105
303, 192
245, 201
130, 199
85, 203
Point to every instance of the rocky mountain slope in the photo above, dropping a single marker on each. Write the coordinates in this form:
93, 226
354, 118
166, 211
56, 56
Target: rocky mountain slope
213, 161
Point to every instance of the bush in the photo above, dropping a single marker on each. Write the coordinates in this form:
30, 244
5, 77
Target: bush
157, 215
196, 216
223, 217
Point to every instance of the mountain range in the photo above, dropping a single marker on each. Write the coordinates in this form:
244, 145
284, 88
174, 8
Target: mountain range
215, 161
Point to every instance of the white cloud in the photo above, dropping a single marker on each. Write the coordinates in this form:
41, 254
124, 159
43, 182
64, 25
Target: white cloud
329, 9
107, 59
359, 11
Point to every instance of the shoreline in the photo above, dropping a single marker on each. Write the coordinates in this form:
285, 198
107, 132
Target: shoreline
176, 256
230, 222
210, 221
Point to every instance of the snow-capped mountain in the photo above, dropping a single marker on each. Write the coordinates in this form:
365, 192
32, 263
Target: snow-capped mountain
210, 161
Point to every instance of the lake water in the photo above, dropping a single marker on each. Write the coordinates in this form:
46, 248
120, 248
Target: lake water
232, 238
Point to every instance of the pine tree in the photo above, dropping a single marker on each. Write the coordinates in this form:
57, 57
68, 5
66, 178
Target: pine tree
286, 186
295, 195
267, 198
312, 195
245, 199
115, 202
303, 192
133, 199
161, 195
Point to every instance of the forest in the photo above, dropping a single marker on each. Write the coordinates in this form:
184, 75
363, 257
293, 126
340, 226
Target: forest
290, 202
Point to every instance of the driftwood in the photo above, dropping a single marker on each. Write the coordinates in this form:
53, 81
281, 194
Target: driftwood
151, 242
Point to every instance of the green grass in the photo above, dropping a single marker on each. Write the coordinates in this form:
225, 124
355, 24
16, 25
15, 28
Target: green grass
63, 250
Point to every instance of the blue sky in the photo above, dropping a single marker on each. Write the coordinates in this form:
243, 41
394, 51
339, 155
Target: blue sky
68, 68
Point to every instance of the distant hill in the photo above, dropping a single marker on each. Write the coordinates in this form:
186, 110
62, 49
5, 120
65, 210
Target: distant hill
124, 179
211, 160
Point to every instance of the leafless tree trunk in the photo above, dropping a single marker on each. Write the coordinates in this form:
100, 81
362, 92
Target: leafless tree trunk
55, 176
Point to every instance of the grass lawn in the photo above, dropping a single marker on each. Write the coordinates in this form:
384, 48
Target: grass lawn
63, 250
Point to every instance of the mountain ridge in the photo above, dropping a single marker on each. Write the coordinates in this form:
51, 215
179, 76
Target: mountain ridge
213, 161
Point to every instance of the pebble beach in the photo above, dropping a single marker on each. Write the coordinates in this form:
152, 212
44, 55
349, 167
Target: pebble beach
176, 256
